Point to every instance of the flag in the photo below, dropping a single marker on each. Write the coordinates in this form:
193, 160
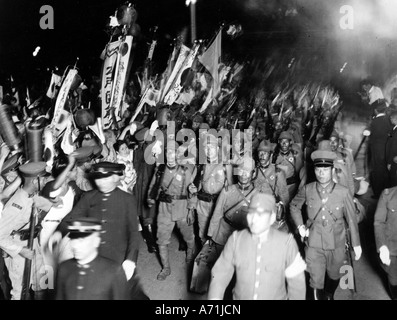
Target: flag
210, 60
55, 80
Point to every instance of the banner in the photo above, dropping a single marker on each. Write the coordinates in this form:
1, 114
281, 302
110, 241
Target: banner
121, 77
108, 76
183, 53
59, 120
176, 88
55, 80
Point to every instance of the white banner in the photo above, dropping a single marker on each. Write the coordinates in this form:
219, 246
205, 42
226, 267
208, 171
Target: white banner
108, 75
121, 76
176, 88
183, 53
59, 120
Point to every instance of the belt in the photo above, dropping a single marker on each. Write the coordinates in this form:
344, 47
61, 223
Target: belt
207, 197
326, 222
175, 197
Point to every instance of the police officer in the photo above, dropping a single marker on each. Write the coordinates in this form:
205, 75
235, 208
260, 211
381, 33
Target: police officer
173, 206
267, 262
329, 206
214, 177
14, 224
289, 159
270, 179
116, 209
89, 276
386, 236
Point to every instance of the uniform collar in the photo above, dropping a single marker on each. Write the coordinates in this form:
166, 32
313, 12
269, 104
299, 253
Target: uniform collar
327, 189
244, 188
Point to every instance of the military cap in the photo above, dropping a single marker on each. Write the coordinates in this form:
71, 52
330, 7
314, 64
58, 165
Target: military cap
210, 110
204, 126
198, 118
335, 134
143, 135
262, 203
246, 163
285, 135
324, 145
106, 169
84, 226
85, 154
33, 169
266, 146
49, 191
323, 158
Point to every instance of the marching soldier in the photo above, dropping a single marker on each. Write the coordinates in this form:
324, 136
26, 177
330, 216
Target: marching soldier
89, 276
386, 236
329, 207
289, 159
213, 177
173, 206
271, 180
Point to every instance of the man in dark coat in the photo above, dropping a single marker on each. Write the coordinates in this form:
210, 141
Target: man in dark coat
391, 151
89, 276
116, 209
379, 131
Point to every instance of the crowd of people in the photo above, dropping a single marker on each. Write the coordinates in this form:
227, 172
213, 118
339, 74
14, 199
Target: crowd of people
258, 178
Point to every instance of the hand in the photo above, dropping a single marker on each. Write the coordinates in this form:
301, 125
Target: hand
72, 158
156, 149
384, 255
303, 232
26, 253
154, 126
129, 268
192, 188
357, 251
150, 202
190, 217
132, 127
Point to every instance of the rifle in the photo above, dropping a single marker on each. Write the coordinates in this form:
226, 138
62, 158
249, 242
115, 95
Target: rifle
155, 191
28, 263
348, 248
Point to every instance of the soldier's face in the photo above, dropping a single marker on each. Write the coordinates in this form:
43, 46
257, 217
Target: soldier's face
264, 157
323, 174
284, 144
84, 248
244, 175
108, 184
333, 143
260, 222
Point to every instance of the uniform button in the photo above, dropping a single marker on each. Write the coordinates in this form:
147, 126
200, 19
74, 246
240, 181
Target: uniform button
323, 217
257, 284
103, 210
255, 296
103, 242
323, 209
79, 287
104, 221
258, 271
83, 273
258, 259
259, 245
104, 199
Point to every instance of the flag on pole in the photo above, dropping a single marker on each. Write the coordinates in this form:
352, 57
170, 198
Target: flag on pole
55, 80
210, 59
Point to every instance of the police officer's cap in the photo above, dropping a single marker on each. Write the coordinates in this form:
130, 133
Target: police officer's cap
323, 158
84, 226
106, 169
285, 135
262, 203
33, 169
266, 146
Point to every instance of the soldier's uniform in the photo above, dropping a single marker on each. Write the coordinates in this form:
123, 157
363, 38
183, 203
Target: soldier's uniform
292, 163
173, 209
15, 218
99, 279
385, 225
327, 210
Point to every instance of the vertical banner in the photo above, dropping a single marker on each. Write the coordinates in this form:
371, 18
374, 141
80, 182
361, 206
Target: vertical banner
121, 76
176, 87
59, 120
108, 75
183, 53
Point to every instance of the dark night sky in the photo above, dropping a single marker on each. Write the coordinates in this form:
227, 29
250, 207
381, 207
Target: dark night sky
80, 24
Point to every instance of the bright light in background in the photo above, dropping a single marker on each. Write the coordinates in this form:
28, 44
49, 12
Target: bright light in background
36, 51
190, 2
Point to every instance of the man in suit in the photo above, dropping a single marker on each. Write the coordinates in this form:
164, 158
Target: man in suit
391, 151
